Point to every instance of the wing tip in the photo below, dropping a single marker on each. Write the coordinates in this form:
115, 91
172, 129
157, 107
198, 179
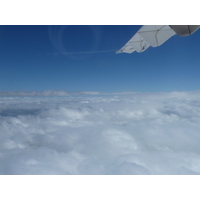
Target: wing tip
119, 51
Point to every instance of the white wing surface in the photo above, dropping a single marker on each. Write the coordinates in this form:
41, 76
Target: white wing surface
156, 35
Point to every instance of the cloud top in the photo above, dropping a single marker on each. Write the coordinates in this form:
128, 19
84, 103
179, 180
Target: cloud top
138, 133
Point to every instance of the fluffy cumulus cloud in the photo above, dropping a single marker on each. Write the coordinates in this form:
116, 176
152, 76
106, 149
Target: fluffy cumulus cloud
136, 133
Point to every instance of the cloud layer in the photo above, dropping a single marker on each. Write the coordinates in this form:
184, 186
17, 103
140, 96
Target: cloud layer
139, 133
43, 93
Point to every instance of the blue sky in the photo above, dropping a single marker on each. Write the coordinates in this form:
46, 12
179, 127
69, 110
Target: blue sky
32, 58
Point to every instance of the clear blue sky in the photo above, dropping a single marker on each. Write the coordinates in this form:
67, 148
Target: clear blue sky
32, 58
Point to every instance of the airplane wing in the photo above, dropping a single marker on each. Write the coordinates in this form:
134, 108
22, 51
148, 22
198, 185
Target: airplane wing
155, 35
148, 35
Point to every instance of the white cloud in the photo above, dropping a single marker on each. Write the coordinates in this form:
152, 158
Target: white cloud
130, 133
